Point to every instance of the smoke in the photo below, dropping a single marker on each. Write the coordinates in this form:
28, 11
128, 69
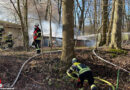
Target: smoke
56, 29
6, 12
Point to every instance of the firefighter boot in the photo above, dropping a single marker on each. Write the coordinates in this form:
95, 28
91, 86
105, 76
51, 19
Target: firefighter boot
93, 87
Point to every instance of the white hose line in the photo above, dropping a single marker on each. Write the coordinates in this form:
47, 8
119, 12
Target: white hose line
110, 62
27, 62
21, 70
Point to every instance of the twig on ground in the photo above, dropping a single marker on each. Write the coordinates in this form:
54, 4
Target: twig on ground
33, 80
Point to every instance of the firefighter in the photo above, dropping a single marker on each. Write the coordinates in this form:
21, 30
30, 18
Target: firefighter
9, 40
37, 38
1, 31
82, 72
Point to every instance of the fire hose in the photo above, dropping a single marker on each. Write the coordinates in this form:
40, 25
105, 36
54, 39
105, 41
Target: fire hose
16, 79
96, 78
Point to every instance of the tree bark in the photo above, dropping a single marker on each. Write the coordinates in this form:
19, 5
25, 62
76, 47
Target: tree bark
21, 20
81, 19
26, 24
104, 22
47, 8
68, 30
95, 15
128, 16
128, 23
99, 13
117, 25
110, 24
123, 15
50, 14
59, 9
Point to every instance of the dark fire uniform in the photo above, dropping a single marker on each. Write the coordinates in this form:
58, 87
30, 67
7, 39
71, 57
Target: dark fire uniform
37, 38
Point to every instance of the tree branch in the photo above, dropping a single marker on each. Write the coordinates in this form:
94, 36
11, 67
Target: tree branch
79, 5
14, 7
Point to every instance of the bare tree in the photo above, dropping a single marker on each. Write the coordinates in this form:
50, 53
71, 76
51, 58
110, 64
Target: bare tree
81, 18
110, 24
95, 15
47, 9
99, 13
25, 4
23, 19
123, 15
104, 22
59, 9
117, 24
128, 16
68, 30
50, 19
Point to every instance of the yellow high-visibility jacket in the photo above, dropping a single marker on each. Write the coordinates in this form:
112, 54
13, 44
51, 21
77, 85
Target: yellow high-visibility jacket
77, 69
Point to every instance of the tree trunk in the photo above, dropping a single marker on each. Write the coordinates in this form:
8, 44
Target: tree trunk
117, 25
95, 15
23, 20
75, 17
59, 9
50, 14
104, 22
99, 13
110, 24
128, 23
68, 30
123, 15
81, 19
26, 24
47, 8
90, 21
128, 17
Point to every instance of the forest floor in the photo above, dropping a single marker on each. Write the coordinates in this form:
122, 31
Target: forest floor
46, 72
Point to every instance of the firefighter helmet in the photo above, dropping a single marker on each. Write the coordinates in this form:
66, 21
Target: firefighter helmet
36, 24
74, 60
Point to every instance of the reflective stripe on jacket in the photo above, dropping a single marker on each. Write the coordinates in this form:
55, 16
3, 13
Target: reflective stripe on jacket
80, 68
37, 34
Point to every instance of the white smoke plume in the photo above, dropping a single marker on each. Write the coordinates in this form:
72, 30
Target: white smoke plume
56, 29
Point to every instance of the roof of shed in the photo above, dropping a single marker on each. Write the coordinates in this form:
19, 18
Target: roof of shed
9, 24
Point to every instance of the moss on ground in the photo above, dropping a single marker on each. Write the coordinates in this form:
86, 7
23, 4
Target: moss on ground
118, 52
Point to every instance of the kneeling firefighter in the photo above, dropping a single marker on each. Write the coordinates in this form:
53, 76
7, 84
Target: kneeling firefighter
83, 72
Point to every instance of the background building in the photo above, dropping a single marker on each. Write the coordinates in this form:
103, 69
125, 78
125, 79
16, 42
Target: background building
15, 29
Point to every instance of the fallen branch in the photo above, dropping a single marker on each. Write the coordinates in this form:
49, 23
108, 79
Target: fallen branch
33, 80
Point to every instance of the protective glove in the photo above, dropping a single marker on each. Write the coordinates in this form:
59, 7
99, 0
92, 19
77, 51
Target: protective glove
74, 75
79, 84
